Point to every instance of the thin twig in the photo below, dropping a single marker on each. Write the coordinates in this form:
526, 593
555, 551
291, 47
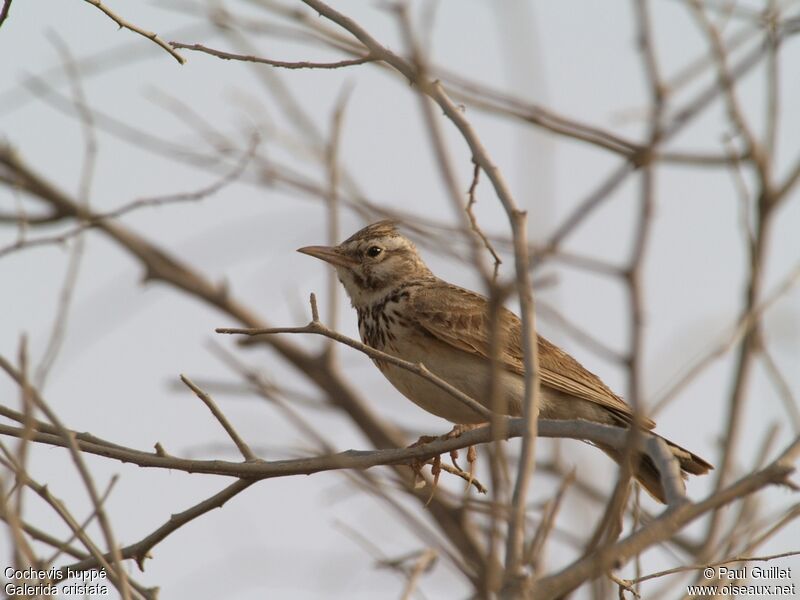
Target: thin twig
433, 126
123, 24
533, 556
247, 453
98, 218
727, 83
274, 63
740, 329
62, 546
476, 172
782, 388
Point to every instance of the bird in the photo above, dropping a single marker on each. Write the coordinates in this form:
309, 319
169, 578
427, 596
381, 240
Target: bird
405, 310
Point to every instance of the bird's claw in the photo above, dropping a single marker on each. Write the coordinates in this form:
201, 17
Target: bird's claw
436, 461
472, 454
417, 464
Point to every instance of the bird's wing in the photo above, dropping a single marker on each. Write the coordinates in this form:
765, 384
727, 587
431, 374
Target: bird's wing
460, 318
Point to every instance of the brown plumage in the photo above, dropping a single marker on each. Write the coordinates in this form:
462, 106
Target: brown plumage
404, 310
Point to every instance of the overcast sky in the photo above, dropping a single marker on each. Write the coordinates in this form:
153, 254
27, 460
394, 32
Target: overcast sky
126, 343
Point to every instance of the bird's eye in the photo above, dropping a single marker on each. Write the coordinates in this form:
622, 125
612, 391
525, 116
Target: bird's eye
374, 251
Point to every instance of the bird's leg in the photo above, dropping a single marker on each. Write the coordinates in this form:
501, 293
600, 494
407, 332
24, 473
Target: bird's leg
472, 458
436, 461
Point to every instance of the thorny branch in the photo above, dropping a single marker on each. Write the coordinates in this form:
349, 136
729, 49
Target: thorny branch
273, 63
123, 24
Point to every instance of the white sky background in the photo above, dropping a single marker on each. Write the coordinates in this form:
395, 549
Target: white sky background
127, 343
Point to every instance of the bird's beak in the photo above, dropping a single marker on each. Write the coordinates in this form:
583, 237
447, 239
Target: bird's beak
329, 254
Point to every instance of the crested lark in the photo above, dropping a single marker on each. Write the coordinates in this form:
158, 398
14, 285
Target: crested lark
405, 310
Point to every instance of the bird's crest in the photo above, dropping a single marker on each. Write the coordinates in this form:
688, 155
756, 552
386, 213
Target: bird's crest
385, 228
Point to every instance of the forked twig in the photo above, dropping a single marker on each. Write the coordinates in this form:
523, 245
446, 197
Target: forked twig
476, 173
315, 326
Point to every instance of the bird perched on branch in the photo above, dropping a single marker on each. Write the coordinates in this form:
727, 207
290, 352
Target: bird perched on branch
405, 310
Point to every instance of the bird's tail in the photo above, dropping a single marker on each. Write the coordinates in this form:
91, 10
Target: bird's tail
646, 472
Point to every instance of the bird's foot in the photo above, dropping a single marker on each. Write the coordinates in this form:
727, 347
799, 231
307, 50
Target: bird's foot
472, 454
436, 461
457, 430
417, 464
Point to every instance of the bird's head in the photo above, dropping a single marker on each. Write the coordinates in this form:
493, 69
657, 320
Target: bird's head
373, 262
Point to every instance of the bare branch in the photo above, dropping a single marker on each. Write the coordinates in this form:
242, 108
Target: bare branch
140, 550
669, 469
4, 11
614, 437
